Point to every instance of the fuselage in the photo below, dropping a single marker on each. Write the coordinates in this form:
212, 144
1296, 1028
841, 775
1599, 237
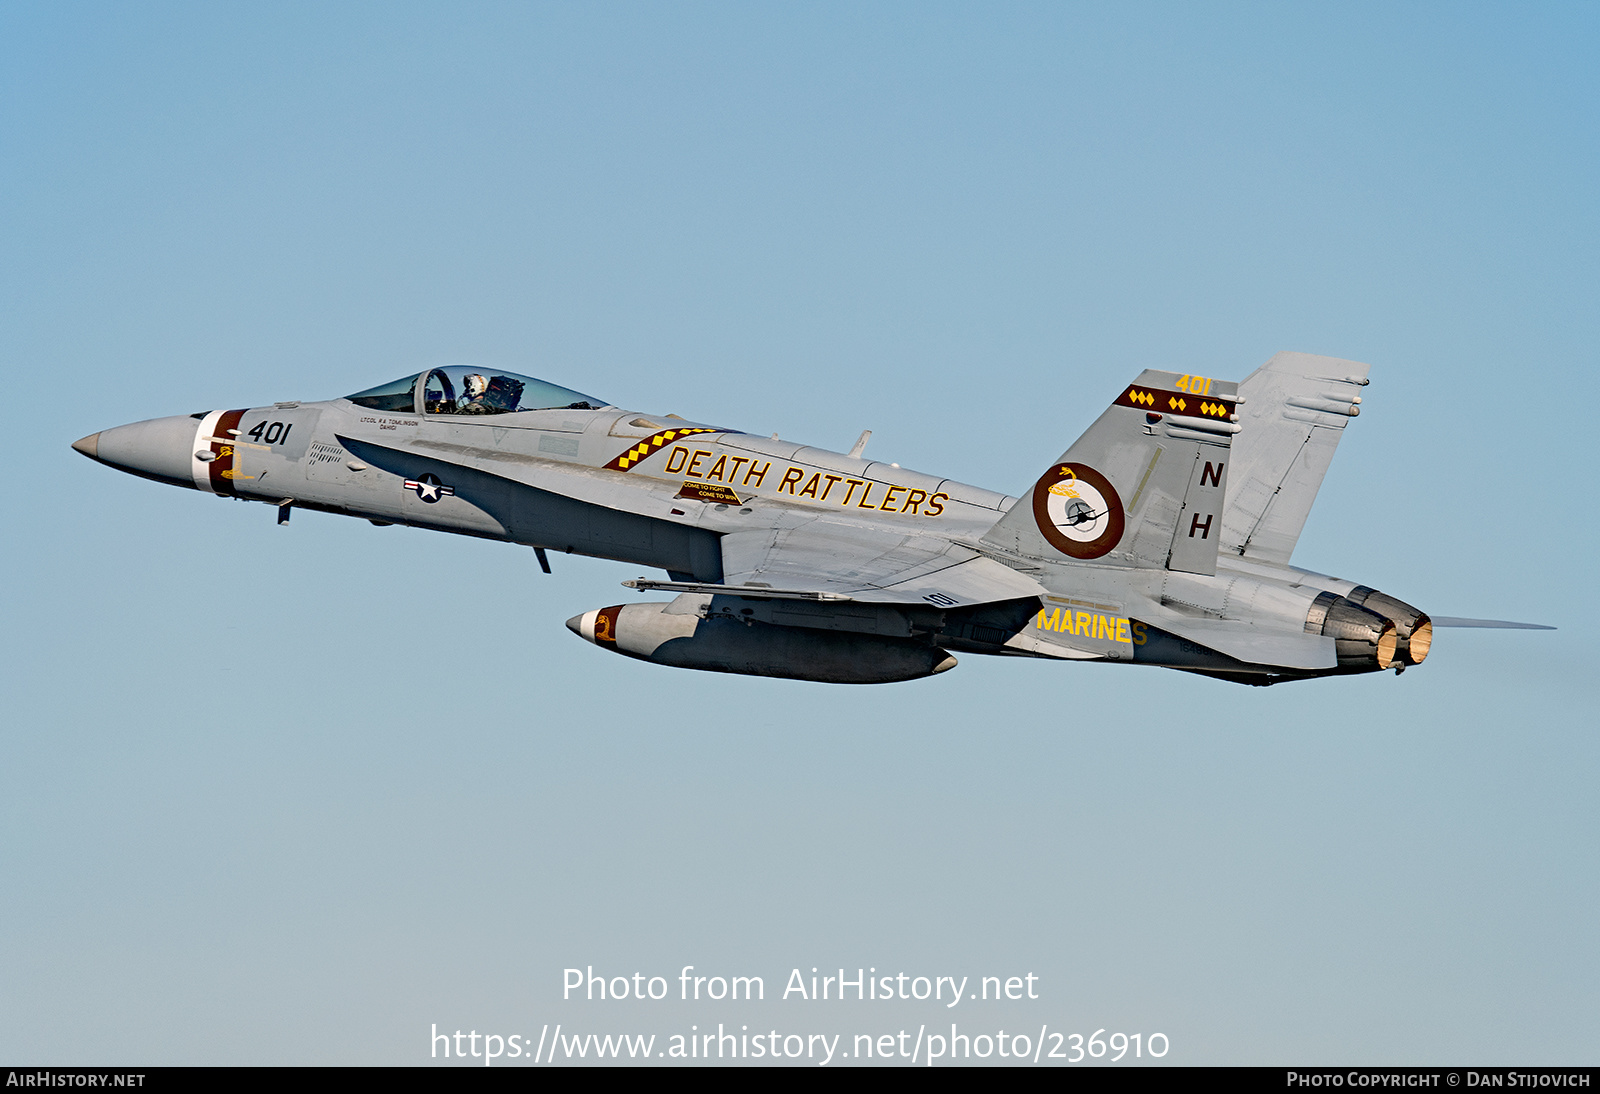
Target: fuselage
337, 457
662, 492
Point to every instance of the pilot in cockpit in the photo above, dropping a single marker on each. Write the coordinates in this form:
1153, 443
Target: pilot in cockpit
476, 387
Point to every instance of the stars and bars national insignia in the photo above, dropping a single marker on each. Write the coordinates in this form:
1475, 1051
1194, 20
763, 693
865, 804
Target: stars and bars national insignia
429, 488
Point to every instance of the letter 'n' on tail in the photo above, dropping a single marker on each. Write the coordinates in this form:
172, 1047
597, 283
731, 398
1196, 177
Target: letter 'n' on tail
1145, 486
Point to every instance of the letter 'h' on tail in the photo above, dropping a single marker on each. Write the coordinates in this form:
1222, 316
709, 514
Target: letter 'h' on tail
1144, 487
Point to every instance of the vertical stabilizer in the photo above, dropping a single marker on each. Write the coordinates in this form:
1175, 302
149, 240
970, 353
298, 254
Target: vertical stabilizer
1143, 487
1199, 530
1295, 409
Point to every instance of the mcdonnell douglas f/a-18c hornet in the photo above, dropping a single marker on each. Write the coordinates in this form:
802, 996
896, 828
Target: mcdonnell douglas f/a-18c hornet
1162, 537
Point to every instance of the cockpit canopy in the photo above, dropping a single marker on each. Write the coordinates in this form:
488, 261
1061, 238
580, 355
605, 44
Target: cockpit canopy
464, 389
468, 389
399, 397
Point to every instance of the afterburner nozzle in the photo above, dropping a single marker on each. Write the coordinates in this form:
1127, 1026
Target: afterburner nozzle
1414, 628
1421, 641
1361, 637
1386, 647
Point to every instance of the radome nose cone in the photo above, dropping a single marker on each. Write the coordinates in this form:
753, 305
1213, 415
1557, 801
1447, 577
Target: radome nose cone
160, 449
575, 625
89, 446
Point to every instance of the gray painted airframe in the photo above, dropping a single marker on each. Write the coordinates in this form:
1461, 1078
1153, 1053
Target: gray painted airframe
1161, 537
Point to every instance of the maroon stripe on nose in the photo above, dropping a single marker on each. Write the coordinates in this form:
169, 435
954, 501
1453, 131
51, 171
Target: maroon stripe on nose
221, 468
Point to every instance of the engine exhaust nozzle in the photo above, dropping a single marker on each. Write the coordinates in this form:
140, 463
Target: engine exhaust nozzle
1412, 626
1361, 637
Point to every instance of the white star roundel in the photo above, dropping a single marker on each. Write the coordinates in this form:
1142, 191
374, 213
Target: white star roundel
429, 488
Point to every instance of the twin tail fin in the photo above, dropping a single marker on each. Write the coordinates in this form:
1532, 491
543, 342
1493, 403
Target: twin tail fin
1144, 487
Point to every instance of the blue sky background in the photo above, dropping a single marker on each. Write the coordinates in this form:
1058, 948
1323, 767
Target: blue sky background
293, 794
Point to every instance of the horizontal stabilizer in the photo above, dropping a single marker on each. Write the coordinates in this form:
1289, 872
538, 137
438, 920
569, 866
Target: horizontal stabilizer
1248, 643
1495, 624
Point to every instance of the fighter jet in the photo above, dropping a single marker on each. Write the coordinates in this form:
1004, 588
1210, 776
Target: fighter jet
1161, 537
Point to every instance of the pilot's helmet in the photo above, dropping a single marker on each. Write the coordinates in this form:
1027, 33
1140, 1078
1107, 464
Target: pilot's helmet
475, 385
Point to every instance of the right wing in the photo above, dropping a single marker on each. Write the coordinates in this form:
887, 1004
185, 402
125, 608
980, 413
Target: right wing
835, 561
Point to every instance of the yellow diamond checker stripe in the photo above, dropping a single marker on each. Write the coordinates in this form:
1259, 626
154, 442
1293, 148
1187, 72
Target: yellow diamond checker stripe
645, 448
1175, 402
